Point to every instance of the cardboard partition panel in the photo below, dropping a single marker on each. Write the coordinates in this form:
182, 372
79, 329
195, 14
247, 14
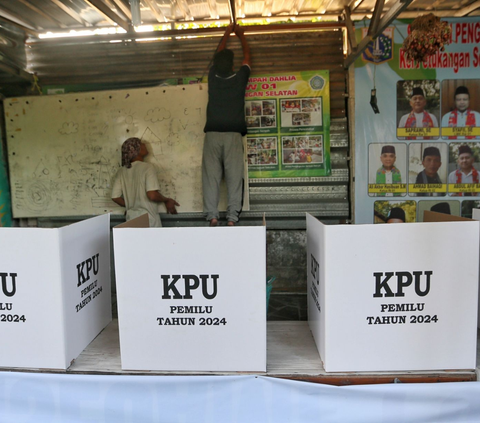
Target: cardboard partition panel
191, 299
393, 297
476, 216
54, 292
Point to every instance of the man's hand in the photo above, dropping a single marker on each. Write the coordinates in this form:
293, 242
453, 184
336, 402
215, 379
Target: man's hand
120, 201
170, 205
230, 28
239, 30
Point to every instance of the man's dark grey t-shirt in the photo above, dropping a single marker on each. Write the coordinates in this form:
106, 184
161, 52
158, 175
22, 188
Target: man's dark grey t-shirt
226, 101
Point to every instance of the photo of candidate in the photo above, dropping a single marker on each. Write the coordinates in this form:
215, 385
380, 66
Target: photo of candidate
426, 173
462, 116
418, 117
468, 206
466, 173
385, 180
394, 211
442, 207
431, 162
388, 173
396, 215
451, 207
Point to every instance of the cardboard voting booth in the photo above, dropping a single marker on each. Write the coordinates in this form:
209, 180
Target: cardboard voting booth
191, 299
54, 292
394, 297
476, 216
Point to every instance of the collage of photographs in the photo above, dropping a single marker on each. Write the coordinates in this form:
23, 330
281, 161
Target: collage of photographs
262, 151
306, 149
410, 211
434, 169
301, 112
444, 117
261, 114
430, 109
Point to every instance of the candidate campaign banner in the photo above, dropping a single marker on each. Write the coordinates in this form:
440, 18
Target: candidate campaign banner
417, 126
288, 121
187, 301
401, 304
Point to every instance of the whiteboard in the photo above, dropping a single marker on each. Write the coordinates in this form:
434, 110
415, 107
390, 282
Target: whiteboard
64, 150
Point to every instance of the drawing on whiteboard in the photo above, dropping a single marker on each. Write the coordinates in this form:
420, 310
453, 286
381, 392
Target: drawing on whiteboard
69, 128
41, 170
130, 117
67, 155
157, 115
155, 142
34, 196
98, 131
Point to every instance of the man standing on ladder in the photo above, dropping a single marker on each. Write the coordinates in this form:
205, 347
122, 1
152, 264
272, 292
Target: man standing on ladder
224, 130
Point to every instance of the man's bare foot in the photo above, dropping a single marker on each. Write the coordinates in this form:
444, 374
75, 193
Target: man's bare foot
214, 222
231, 223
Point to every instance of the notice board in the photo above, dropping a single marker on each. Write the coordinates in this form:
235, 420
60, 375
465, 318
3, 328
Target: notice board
64, 150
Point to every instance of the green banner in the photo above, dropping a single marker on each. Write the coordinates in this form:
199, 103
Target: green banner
5, 206
288, 121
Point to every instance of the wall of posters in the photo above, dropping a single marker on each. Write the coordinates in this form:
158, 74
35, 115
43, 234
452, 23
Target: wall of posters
420, 152
288, 120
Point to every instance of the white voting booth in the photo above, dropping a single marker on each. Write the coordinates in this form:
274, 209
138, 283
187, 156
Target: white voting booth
191, 299
54, 292
476, 216
394, 297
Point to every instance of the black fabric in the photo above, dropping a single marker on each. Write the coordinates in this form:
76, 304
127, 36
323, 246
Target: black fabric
423, 178
226, 101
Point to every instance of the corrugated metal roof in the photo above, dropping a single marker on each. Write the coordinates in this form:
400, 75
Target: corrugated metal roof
20, 19
66, 15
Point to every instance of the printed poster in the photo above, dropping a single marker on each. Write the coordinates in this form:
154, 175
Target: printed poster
422, 150
5, 208
288, 122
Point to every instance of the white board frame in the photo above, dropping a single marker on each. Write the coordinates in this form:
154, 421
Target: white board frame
64, 150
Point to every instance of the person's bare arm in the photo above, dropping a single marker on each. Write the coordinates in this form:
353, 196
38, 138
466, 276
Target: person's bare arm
225, 38
245, 47
119, 200
170, 203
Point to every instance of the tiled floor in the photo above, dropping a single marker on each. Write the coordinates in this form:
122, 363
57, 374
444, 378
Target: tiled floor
287, 306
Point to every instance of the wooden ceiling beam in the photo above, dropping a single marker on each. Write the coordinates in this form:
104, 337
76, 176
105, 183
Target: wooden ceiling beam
110, 14
464, 11
156, 11
212, 7
350, 29
15, 71
180, 5
354, 4
253, 29
42, 13
17, 21
125, 10
377, 13
70, 12
385, 21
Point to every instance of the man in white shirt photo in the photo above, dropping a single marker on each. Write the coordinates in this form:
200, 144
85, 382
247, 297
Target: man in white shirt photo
466, 173
418, 117
462, 116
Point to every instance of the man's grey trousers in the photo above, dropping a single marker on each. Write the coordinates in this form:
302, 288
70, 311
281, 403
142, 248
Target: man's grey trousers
223, 156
